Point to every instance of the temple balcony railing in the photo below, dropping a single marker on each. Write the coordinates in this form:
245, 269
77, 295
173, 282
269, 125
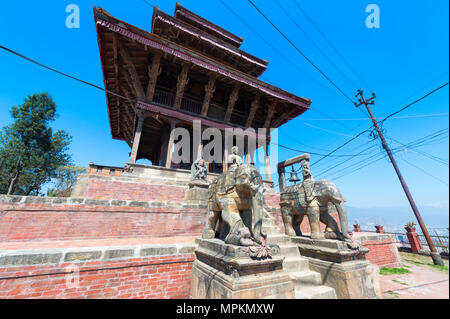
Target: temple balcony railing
215, 111
163, 98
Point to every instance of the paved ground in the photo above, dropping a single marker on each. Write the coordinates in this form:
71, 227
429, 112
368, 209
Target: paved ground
424, 282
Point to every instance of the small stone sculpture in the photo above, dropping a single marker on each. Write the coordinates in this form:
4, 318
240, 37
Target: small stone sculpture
199, 170
234, 158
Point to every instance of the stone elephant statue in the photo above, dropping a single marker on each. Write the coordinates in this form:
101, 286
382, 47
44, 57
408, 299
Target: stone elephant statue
295, 203
236, 207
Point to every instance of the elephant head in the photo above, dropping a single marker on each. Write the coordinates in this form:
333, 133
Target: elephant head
249, 183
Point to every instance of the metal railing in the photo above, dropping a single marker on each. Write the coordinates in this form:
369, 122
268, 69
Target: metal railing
440, 242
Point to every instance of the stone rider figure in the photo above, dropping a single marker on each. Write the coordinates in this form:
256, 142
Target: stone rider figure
308, 180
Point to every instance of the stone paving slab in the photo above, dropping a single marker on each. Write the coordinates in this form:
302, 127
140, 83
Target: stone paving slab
422, 283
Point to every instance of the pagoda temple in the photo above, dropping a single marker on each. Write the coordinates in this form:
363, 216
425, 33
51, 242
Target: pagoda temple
185, 69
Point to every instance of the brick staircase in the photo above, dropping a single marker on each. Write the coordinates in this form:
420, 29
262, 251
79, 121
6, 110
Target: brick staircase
308, 284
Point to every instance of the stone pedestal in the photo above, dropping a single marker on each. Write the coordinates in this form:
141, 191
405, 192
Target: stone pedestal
342, 268
198, 191
223, 271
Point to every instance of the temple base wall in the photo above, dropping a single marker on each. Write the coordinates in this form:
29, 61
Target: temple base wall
125, 271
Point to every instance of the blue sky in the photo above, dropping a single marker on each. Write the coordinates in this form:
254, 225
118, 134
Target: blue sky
401, 61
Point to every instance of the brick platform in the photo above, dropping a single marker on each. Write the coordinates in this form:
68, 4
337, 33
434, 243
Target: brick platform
96, 271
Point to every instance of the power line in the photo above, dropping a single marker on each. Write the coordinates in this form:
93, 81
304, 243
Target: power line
285, 58
425, 172
274, 48
313, 153
342, 145
392, 118
313, 42
330, 44
412, 103
386, 118
298, 50
149, 3
61, 73
325, 130
346, 161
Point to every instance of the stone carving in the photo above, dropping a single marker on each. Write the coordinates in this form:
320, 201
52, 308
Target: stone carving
128, 168
311, 198
234, 158
199, 170
236, 209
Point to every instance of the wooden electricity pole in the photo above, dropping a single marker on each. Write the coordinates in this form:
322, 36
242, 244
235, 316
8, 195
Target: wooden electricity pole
437, 260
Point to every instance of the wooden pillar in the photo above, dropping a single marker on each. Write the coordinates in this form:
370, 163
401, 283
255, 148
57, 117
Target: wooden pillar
137, 139
154, 70
267, 163
231, 102
181, 84
170, 145
253, 108
136, 83
225, 159
210, 87
252, 156
269, 115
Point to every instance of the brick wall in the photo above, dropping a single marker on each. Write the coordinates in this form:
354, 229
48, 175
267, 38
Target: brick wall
35, 218
383, 251
97, 274
107, 189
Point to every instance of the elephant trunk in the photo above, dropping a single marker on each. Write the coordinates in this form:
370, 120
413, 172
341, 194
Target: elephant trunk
257, 216
343, 219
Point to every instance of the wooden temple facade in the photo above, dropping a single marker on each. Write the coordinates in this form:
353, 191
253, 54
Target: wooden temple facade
185, 69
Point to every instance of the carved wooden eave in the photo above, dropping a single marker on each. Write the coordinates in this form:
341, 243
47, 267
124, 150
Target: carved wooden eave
201, 23
155, 42
177, 31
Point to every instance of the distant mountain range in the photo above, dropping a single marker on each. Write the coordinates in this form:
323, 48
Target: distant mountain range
393, 219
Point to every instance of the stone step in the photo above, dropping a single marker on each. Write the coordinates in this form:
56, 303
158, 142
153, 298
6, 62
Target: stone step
295, 264
315, 292
269, 222
271, 230
279, 239
289, 251
303, 279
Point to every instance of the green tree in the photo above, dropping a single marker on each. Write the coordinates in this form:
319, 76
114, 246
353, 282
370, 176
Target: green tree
30, 152
66, 177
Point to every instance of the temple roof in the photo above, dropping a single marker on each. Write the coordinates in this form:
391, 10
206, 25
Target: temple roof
116, 36
185, 32
205, 25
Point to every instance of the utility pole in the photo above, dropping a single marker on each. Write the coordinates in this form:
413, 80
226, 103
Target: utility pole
437, 260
